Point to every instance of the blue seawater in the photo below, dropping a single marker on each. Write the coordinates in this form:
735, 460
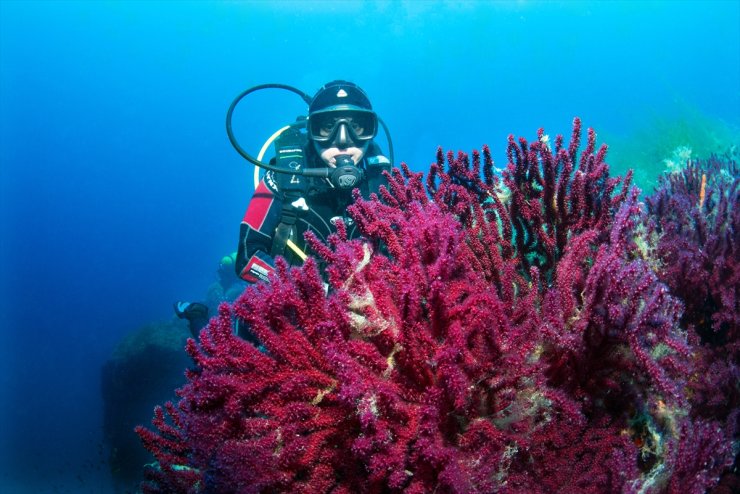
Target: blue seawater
119, 191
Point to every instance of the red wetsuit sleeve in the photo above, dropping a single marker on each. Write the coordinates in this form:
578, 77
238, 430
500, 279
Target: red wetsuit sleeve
258, 227
260, 207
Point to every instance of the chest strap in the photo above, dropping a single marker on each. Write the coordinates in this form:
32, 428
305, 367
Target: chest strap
288, 218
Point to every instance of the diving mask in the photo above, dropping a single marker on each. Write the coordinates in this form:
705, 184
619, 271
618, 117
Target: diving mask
360, 125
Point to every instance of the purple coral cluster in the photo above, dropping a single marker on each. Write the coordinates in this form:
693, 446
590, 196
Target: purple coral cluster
488, 334
694, 232
694, 213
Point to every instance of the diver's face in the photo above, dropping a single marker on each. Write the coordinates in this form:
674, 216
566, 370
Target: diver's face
342, 144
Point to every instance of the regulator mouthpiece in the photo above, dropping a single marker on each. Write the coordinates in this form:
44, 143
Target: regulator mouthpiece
344, 160
346, 175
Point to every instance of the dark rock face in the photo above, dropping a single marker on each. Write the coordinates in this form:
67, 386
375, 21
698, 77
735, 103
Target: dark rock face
144, 370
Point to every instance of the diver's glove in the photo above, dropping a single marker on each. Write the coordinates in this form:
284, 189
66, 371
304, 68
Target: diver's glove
191, 311
258, 268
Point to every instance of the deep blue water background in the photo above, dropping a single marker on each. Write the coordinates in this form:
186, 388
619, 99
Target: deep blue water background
119, 190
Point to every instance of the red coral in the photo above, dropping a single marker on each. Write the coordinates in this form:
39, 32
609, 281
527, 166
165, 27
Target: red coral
556, 194
469, 343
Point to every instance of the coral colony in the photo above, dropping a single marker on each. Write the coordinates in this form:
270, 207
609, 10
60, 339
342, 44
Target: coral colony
538, 332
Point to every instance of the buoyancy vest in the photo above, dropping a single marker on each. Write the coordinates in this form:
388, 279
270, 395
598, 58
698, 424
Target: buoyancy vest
313, 204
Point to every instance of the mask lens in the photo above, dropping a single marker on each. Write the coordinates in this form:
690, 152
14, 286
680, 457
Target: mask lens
327, 126
362, 125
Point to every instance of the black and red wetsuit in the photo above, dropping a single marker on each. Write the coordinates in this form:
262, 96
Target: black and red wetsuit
285, 206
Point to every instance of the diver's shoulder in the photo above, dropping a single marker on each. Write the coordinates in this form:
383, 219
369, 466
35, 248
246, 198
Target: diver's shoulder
375, 157
271, 181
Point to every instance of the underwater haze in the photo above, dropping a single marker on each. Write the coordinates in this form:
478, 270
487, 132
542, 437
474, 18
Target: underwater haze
120, 192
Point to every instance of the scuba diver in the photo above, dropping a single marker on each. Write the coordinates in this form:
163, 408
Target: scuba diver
340, 129
227, 287
308, 184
